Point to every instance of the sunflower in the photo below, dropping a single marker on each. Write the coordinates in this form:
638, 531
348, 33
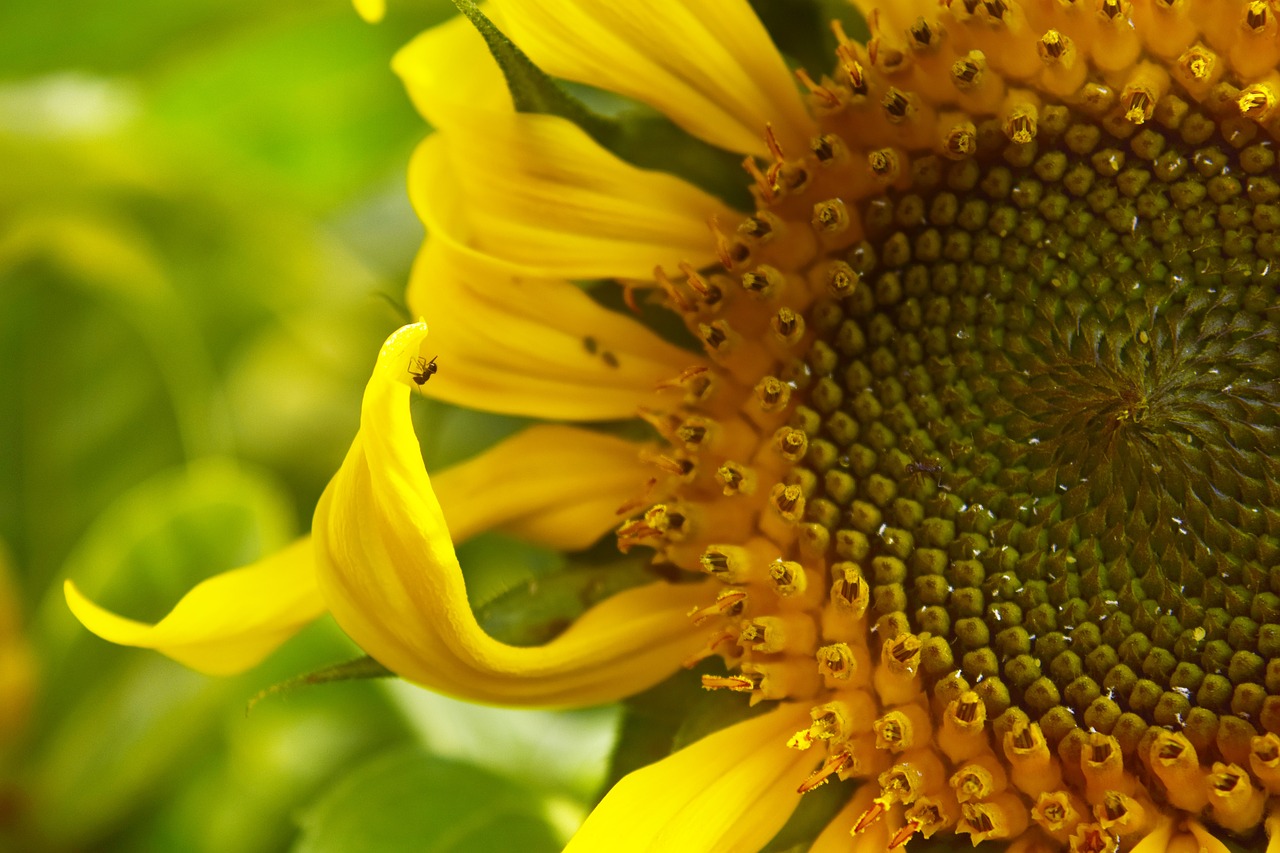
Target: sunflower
962, 459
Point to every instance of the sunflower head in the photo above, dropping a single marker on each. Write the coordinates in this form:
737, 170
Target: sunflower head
986, 456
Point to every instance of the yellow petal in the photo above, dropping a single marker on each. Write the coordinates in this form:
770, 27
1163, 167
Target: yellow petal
556, 485
710, 66
537, 348
390, 576
430, 67
371, 10
535, 192
731, 791
229, 622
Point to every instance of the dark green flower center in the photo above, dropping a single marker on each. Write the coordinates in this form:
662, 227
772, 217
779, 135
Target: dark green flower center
1046, 422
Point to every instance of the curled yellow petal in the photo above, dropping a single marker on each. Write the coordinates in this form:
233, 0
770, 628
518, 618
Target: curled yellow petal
390, 576
229, 622
556, 485
730, 791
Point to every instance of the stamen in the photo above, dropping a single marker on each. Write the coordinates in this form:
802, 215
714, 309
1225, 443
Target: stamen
1173, 760
960, 141
897, 105
742, 683
737, 479
841, 280
766, 188
791, 443
849, 591
787, 578
828, 149
1003, 816
886, 165
1093, 838
772, 394
788, 326
1235, 803
829, 98
840, 762
730, 602
709, 649
830, 216
763, 282
1257, 102
640, 500
837, 661
788, 502
728, 563
967, 71
1056, 813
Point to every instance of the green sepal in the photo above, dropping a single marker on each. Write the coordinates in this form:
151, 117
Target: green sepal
352, 670
537, 610
640, 135
802, 29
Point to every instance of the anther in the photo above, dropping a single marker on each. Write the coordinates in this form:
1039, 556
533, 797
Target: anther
853, 70
960, 141
902, 654
840, 763
827, 148
967, 71
1255, 16
728, 563
923, 36
830, 216
773, 394
1121, 814
886, 164
1257, 102
1055, 812
788, 501
764, 634
1020, 123
730, 602
1138, 105
849, 591
787, 578
1197, 65
1003, 816
1264, 760
837, 661
791, 443
762, 282
897, 105
841, 280
737, 479
695, 432
894, 731
1112, 9
788, 326
928, 815
1053, 45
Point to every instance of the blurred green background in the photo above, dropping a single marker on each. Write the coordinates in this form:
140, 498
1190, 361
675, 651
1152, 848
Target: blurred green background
204, 236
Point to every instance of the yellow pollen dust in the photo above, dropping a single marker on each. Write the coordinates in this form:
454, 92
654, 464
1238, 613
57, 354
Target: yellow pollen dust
811, 463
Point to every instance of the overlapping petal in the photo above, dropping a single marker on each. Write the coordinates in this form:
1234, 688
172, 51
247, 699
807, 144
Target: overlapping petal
556, 485
537, 348
730, 791
536, 193
389, 573
229, 622
709, 65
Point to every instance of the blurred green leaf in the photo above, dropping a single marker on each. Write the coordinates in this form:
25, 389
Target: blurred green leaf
802, 29
411, 801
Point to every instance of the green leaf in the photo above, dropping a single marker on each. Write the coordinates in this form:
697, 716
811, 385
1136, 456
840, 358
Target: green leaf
636, 133
409, 800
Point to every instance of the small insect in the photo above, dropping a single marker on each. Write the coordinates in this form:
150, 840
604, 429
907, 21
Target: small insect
921, 470
421, 370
